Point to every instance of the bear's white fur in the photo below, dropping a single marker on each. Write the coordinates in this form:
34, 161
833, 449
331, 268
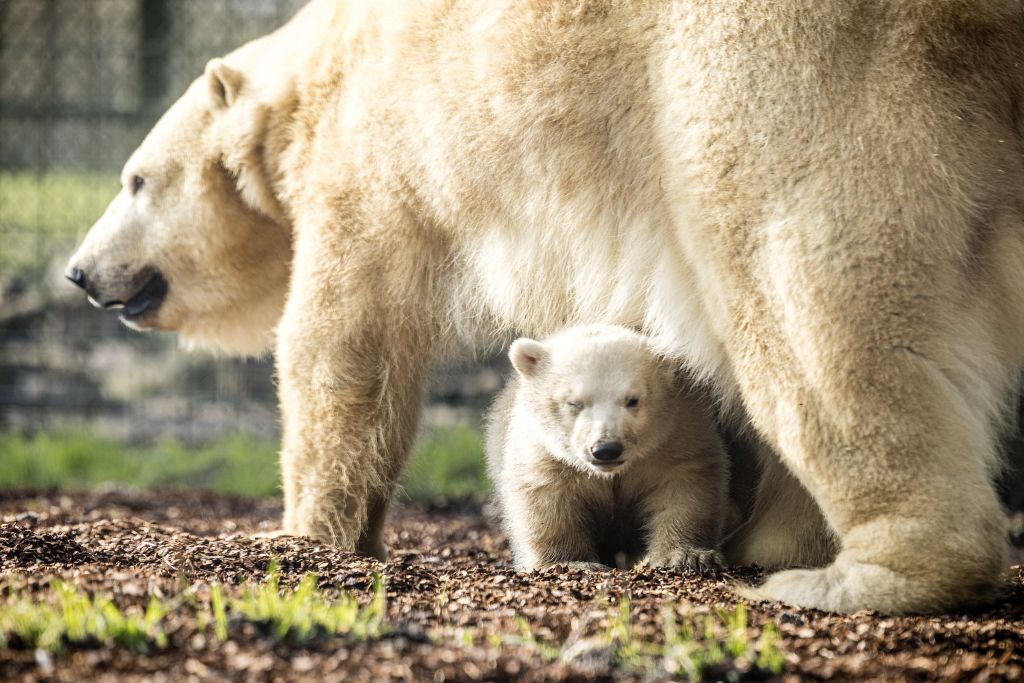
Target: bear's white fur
819, 205
660, 494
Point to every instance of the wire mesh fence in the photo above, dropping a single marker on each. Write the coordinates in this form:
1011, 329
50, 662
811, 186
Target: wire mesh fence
81, 82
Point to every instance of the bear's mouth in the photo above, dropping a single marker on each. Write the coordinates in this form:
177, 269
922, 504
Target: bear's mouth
143, 303
147, 300
606, 466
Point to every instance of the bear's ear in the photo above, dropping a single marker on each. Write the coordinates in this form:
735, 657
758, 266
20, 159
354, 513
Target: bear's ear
225, 83
526, 356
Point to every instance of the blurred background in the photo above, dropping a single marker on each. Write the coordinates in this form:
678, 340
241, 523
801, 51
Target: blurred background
85, 402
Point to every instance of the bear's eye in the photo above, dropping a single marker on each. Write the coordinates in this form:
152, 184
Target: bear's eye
138, 182
574, 405
632, 402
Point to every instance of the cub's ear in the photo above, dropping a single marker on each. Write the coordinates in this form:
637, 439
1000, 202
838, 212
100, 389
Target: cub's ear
225, 82
526, 356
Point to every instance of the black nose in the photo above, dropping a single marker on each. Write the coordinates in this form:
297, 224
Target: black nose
609, 450
76, 276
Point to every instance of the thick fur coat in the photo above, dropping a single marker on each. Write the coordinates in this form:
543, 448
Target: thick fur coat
819, 205
600, 452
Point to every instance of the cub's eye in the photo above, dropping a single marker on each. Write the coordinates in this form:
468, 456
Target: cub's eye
632, 402
138, 182
574, 405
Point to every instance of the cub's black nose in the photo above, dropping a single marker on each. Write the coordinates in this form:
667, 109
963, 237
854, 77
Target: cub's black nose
609, 450
76, 276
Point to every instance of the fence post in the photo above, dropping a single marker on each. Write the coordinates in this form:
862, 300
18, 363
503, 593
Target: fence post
155, 29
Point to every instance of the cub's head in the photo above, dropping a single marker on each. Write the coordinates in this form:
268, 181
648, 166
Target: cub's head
601, 395
195, 241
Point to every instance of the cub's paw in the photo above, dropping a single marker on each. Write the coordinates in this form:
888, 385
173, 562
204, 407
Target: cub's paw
273, 533
559, 566
700, 560
587, 566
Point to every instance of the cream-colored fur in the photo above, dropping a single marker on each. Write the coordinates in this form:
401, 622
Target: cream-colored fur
819, 205
226, 259
664, 499
770, 499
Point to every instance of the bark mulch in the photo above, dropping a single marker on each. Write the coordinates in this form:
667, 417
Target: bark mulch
456, 611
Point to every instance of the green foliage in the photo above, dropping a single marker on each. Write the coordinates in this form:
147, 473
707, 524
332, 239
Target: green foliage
77, 619
769, 654
305, 612
446, 463
548, 653
685, 654
237, 464
42, 214
220, 615
691, 647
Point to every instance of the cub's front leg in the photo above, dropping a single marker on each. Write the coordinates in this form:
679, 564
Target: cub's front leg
550, 521
686, 508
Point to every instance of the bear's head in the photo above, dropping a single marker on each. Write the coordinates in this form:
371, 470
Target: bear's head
195, 241
601, 395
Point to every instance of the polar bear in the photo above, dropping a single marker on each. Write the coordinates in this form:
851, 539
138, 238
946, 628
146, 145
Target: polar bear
600, 454
819, 206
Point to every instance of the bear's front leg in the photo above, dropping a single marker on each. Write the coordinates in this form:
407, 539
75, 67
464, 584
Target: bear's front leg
354, 346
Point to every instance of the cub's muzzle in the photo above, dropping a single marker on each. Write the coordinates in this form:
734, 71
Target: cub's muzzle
606, 455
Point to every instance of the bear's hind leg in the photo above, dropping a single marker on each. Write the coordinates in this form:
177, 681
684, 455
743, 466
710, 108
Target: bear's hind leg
878, 386
786, 527
900, 479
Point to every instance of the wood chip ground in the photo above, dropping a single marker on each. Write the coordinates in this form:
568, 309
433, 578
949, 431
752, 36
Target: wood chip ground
456, 609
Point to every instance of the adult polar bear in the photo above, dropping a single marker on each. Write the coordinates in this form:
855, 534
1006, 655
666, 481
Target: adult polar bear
820, 205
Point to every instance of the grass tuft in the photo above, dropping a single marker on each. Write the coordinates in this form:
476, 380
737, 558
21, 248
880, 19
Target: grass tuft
305, 612
686, 654
75, 618
691, 647
220, 615
80, 619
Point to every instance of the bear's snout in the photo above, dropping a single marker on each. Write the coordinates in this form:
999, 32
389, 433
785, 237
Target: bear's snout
76, 276
138, 295
606, 452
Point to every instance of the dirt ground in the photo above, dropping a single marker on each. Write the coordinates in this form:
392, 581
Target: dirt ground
456, 609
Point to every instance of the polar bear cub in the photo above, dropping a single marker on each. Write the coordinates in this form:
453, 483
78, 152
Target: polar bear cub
600, 453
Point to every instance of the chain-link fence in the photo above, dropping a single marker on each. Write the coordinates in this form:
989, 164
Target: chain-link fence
81, 82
